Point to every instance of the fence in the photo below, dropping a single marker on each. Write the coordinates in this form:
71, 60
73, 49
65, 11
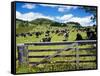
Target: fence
23, 52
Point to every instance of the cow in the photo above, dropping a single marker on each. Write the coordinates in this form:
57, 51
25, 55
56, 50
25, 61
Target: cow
46, 39
79, 37
66, 34
23, 34
52, 31
29, 34
37, 34
91, 35
57, 31
47, 33
17, 35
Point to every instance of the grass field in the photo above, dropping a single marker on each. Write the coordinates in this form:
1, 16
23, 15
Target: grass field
55, 38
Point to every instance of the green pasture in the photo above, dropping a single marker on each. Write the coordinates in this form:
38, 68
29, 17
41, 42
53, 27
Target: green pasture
55, 38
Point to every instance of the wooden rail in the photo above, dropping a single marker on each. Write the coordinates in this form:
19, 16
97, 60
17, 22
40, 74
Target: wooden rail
71, 61
61, 56
58, 43
43, 50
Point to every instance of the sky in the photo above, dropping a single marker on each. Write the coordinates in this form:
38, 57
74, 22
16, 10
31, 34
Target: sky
59, 13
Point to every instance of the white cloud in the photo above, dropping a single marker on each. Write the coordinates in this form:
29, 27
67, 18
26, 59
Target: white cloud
64, 18
84, 21
48, 5
71, 7
66, 8
28, 6
61, 8
31, 16
18, 14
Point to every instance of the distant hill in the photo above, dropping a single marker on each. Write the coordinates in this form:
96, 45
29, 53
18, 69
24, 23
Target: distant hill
41, 21
44, 21
74, 24
21, 23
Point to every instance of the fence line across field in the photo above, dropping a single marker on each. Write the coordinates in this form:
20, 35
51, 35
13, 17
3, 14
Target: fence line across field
23, 52
57, 43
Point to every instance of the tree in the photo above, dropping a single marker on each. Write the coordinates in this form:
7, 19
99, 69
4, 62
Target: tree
55, 24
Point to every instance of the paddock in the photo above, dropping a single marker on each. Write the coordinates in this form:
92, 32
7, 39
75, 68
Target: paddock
74, 55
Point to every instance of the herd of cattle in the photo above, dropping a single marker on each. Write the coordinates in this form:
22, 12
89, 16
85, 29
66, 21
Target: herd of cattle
91, 35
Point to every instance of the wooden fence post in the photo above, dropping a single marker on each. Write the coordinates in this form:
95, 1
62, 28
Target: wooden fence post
25, 53
22, 55
77, 56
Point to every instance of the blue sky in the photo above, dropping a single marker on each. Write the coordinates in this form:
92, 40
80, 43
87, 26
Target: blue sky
60, 13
